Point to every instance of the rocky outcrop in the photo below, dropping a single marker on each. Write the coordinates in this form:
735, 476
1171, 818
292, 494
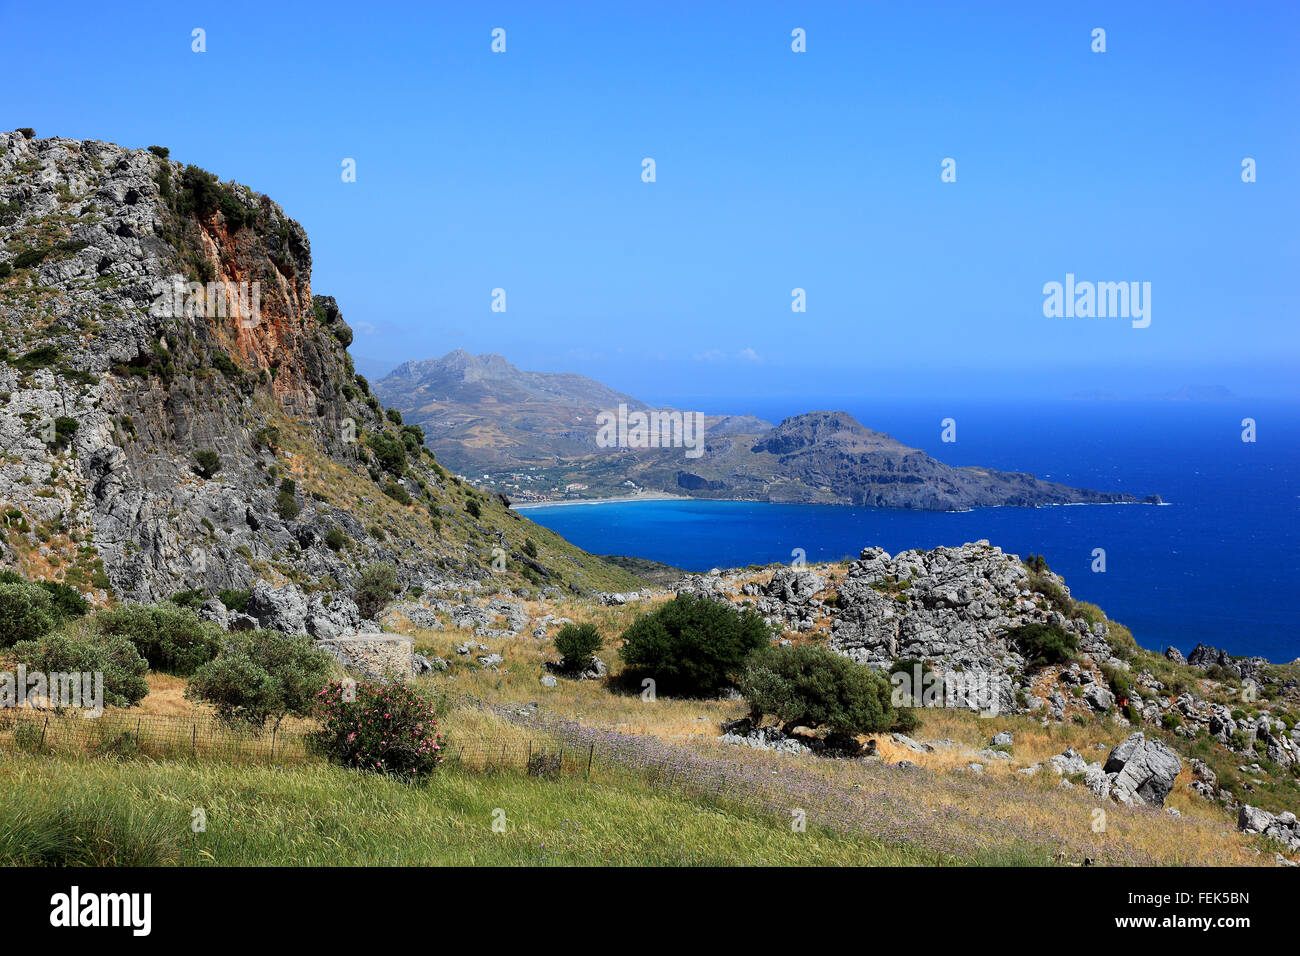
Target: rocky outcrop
950, 607
1245, 668
1281, 827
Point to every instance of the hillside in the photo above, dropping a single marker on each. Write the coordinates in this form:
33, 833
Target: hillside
179, 412
535, 436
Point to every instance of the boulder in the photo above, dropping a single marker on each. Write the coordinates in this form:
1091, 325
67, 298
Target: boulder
1143, 770
1068, 763
1099, 698
1095, 779
1253, 819
278, 609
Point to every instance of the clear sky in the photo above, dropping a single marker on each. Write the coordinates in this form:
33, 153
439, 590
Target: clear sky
775, 170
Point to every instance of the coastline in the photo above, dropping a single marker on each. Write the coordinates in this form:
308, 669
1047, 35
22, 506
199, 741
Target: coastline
653, 496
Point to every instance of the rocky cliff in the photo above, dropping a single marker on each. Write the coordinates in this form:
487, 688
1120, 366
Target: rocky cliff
178, 411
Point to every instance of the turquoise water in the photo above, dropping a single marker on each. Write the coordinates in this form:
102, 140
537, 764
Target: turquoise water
1218, 564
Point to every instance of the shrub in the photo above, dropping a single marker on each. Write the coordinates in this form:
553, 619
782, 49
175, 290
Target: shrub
162, 152
112, 655
692, 644
473, 509
267, 436
1121, 683
384, 727
173, 639
27, 612
393, 415
390, 452
235, 599
375, 588
66, 601
64, 429
397, 493
27, 131
192, 599
206, 463
578, 642
286, 501
1056, 596
335, 539
224, 364
815, 687
1170, 721
40, 357
1042, 644
530, 547
262, 675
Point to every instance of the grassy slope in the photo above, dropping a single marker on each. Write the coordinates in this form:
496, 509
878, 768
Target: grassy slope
104, 812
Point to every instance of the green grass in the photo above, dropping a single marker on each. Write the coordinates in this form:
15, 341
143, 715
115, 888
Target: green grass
72, 811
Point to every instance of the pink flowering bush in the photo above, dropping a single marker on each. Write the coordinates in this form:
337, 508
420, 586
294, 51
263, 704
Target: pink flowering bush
386, 728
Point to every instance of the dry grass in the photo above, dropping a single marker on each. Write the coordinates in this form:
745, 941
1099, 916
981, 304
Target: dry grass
1204, 835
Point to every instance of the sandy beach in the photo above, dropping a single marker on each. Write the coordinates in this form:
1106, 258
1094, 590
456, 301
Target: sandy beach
648, 496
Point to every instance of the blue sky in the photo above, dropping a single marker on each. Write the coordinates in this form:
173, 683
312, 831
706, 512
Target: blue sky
775, 170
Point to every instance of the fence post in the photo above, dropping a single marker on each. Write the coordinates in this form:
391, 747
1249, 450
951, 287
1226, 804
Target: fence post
195, 728
138, 721
274, 731
44, 727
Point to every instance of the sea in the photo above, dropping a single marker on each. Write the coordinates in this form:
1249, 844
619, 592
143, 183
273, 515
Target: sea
1218, 562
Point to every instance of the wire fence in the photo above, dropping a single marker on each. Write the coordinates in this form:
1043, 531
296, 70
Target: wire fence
39, 731
32, 730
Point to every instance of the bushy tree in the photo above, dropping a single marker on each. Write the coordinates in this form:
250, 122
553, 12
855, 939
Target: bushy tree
692, 645
389, 452
382, 727
87, 651
815, 687
26, 612
173, 639
262, 675
578, 642
66, 602
375, 588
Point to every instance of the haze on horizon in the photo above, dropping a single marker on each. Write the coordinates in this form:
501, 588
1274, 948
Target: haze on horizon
775, 170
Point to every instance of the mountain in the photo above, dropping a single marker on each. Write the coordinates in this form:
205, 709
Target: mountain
178, 410
536, 436
481, 413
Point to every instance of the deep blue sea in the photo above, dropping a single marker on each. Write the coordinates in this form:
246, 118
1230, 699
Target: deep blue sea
1220, 563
